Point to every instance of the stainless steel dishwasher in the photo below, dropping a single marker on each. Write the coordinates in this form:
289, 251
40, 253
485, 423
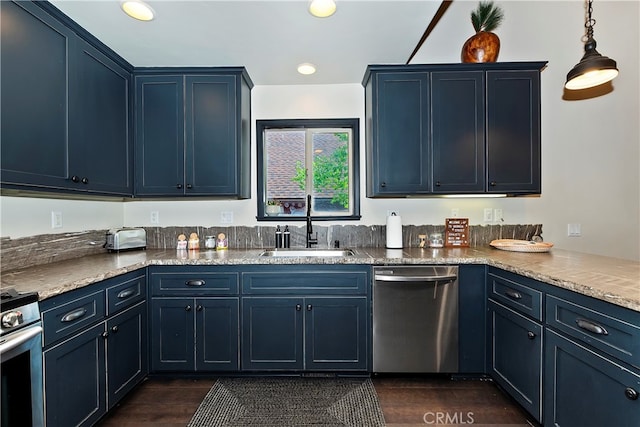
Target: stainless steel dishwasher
415, 319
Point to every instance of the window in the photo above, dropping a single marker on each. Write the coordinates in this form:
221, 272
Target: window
297, 158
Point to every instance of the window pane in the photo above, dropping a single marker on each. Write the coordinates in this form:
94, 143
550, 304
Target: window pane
285, 166
330, 152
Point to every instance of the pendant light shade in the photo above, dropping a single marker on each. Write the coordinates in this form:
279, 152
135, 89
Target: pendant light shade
593, 69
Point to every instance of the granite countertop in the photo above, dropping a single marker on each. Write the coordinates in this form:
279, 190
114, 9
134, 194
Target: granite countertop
610, 279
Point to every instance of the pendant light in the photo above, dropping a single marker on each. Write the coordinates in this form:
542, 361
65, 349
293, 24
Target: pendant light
593, 69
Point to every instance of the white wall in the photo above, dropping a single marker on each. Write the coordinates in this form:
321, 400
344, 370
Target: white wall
590, 148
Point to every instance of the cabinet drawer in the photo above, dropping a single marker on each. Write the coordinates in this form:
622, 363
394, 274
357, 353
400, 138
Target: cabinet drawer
191, 284
65, 319
610, 334
311, 280
126, 294
521, 298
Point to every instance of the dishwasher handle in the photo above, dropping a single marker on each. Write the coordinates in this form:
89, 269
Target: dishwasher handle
406, 278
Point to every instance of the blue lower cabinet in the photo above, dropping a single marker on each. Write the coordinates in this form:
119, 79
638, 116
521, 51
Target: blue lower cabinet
75, 381
515, 356
313, 333
336, 333
272, 333
127, 359
190, 334
585, 388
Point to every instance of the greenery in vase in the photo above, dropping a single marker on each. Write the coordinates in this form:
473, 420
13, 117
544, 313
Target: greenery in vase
487, 17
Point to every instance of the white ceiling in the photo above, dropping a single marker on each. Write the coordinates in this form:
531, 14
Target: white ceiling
268, 37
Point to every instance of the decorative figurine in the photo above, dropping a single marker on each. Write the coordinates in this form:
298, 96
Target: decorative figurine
194, 242
182, 242
222, 242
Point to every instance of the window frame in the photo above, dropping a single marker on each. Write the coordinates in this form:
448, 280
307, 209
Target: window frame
352, 124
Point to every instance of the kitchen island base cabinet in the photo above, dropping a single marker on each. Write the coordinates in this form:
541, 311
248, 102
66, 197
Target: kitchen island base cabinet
586, 389
194, 334
312, 334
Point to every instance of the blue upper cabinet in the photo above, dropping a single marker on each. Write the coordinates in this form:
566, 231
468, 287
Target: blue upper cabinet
35, 58
453, 129
66, 116
398, 143
192, 132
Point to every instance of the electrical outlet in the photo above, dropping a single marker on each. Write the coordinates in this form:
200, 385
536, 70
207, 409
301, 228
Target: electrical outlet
155, 217
488, 215
574, 230
56, 219
497, 215
226, 217
455, 212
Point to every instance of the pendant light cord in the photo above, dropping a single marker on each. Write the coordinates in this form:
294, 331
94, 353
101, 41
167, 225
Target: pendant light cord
590, 21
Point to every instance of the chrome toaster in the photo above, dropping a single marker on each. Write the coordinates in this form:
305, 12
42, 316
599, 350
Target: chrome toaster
121, 239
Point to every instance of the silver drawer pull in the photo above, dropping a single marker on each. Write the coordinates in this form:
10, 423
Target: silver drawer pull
631, 393
74, 315
513, 294
126, 293
198, 282
591, 327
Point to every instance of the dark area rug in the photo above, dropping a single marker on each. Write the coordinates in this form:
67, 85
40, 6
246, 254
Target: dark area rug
290, 401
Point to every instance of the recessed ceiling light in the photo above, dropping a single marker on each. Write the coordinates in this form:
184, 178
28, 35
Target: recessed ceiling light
137, 9
322, 8
306, 68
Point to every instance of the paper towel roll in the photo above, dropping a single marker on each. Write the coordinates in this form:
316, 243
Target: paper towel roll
394, 231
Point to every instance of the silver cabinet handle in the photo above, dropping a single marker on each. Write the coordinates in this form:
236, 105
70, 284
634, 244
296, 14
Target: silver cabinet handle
531, 335
513, 294
195, 282
74, 315
631, 393
309, 307
591, 327
298, 307
126, 293
114, 329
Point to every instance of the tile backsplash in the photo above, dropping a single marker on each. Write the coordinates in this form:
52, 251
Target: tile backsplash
44, 249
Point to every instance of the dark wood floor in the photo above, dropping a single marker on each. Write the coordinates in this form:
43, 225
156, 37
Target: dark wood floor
405, 401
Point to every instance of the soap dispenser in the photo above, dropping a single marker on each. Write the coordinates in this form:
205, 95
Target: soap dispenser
278, 237
286, 237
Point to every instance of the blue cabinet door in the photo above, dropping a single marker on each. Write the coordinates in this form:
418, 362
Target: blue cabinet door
36, 56
457, 124
272, 334
159, 143
586, 389
172, 341
336, 333
127, 356
515, 356
74, 375
399, 155
513, 131
217, 341
472, 319
101, 155
212, 162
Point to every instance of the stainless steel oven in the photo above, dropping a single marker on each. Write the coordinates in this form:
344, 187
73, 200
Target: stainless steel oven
21, 360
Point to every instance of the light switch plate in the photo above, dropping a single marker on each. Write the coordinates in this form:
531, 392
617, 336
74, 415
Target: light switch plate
574, 230
56, 219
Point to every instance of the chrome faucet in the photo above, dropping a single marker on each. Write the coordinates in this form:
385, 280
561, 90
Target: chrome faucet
310, 240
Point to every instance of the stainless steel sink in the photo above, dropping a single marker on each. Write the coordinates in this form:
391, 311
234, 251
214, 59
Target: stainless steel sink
302, 252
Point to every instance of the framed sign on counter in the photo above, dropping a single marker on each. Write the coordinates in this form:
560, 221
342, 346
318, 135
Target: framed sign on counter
456, 232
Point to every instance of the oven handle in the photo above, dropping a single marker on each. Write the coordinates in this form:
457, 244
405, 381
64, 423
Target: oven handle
392, 278
20, 338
